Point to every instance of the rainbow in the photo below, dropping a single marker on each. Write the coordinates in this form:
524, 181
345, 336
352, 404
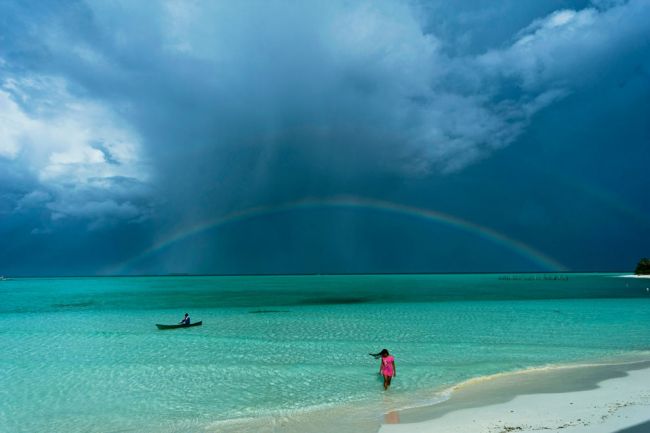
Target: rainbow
540, 259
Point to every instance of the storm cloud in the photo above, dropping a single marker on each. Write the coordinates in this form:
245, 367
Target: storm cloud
143, 117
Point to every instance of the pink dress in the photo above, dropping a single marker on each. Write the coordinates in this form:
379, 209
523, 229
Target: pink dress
387, 366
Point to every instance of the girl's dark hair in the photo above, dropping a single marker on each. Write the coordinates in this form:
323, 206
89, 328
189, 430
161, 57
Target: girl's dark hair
380, 354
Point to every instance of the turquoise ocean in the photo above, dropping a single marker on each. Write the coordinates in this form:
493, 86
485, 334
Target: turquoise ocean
289, 353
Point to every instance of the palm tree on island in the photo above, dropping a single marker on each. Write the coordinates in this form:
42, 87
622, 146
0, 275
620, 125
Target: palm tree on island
643, 267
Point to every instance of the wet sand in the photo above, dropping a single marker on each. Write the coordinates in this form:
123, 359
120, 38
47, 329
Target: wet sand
575, 399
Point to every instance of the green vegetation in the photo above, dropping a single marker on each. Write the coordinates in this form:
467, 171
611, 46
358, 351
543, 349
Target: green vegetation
643, 268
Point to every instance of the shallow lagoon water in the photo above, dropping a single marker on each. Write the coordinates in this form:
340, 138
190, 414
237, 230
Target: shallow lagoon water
288, 353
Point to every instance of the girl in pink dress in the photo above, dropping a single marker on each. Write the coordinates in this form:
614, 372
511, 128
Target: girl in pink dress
386, 367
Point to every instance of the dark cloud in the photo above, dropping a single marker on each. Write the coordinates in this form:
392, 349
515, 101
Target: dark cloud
146, 116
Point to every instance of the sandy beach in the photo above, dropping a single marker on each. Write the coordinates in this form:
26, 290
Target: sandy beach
599, 399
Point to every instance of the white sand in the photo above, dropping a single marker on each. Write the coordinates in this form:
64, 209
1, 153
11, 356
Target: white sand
615, 405
634, 276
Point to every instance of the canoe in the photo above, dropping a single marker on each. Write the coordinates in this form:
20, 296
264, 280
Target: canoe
179, 326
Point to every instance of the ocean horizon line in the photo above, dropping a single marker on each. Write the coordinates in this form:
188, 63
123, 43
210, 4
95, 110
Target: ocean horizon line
314, 274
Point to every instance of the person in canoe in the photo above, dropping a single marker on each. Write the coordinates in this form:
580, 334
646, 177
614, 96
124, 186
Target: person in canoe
386, 367
186, 319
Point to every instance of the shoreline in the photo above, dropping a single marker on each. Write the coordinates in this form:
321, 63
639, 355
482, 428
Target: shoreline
582, 398
468, 398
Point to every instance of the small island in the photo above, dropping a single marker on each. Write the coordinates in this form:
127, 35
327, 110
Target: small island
643, 267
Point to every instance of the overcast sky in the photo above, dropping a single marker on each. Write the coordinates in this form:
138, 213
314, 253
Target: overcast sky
173, 136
